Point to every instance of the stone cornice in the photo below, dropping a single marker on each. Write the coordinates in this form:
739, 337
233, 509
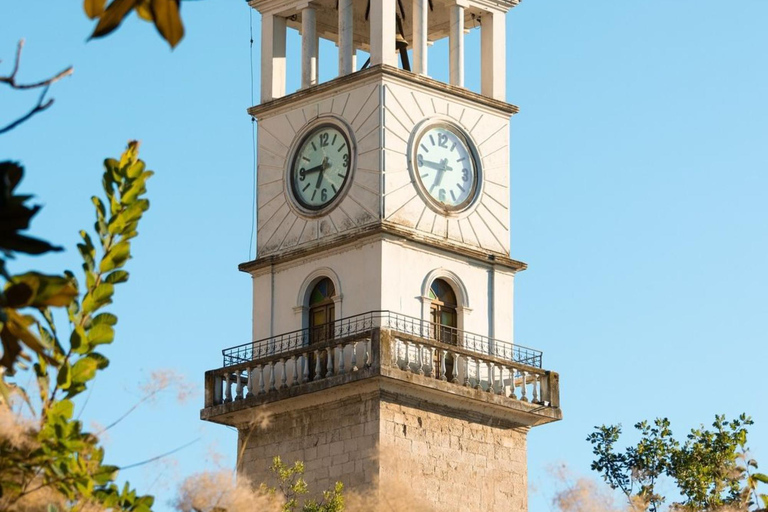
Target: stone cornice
379, 231
383, 71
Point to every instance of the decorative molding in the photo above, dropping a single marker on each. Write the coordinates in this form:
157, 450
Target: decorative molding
380, 231
381, 71
311, 280
453, 279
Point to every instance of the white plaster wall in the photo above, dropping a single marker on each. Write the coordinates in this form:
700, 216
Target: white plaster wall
406, 265
389, 275
486, 224
279, 226
358, 268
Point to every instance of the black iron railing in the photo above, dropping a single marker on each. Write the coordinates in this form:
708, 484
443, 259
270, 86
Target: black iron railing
365, 323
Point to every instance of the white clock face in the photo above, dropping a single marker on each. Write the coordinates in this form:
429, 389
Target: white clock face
320, 167
445, 166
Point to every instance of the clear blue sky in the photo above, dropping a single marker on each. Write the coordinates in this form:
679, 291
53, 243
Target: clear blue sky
639, 201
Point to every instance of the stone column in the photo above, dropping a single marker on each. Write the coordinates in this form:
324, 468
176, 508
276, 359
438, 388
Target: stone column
419, 43
456, 44
346, 34
272, 57
382, 19
493, 55
308, 47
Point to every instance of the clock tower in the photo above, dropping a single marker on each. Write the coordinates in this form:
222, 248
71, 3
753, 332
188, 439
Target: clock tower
383, 349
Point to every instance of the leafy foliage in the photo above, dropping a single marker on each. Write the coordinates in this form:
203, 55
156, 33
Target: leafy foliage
164, 14
45, 456
711, 468
291, 484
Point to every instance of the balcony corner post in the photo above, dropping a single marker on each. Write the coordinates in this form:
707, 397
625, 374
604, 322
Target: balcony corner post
212, 389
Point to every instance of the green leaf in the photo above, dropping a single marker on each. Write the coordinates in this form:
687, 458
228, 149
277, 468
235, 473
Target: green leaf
113, 16
116, 257
761, 477
64, 378
94, 8
104, 318
26, 244
118, 276
101, 211
63, 409
105, 475
101, 361
78, 340
100, 296
84, 370
18, 295
101, 334
168, 20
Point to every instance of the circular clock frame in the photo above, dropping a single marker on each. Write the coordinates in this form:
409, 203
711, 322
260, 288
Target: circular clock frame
470, 202
302, 138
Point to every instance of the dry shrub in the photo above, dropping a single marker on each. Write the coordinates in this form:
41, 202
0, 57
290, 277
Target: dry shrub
396, 496
166, 378
221, 490
581, 494
16, 430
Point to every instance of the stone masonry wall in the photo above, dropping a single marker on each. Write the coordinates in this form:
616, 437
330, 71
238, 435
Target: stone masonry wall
336, 441
453, 464
426, 460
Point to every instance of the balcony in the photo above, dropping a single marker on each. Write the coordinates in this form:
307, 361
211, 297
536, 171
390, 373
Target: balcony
379, 344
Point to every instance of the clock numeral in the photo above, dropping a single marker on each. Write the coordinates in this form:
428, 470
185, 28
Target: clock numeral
323, 140
420, 159
442, 140
345, 160
324, 195
301, 174
465, 174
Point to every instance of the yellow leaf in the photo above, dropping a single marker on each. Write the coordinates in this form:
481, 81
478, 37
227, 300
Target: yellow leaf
94, 8
168, 20
144, 10
111, 18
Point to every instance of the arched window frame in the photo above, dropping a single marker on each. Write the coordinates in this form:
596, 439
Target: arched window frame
302, 300
462, 298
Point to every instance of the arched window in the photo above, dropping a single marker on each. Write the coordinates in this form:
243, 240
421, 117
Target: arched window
322, 311
443, 312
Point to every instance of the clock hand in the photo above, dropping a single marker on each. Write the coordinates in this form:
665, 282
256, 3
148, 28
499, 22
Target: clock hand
323, 167
438, 178
443, 165
304, 172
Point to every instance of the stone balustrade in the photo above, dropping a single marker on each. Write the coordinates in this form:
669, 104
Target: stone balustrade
377, 351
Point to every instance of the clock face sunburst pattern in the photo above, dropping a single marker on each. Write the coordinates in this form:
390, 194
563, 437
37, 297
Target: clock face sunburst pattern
320, 167
445, 167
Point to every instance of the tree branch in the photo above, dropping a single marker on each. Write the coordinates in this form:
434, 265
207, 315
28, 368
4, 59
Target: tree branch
42, 103
11, 79
35, 110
